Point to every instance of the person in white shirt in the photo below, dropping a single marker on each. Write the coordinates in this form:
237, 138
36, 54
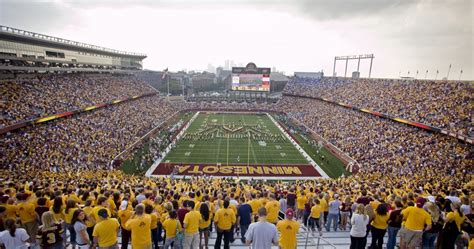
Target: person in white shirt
453, 197
13, 237
358, 232
465, 207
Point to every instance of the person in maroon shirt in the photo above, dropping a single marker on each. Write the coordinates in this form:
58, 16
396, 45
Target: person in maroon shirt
346, 212
291, 199
364, 199
41, 208
183, 211
394, 224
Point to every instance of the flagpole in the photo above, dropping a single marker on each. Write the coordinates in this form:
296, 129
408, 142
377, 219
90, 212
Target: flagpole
227, 149
168, 80
449, 70
248, 150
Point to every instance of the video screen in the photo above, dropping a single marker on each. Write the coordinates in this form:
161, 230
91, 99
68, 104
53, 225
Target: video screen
251, 82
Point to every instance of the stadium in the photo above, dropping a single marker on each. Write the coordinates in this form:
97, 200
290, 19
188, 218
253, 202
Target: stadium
86, 130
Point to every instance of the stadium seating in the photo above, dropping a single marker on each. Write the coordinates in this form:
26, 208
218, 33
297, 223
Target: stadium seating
24, 99
70, 157
443, 104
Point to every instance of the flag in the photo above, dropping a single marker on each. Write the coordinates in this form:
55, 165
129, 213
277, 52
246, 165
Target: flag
165, 73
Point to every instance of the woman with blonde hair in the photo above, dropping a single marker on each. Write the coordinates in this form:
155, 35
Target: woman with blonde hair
359, 222
429, 236
50, 233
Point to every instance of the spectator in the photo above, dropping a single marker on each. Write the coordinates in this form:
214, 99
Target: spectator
273, 207
224, 220
191, 227
172, 227
125, 213
204, 225
13, 237
429, 236
68, 212
139, 225
333, 215
244, 217
416, 220
315, 216
379, 226
50, 232
262, 234
288, 229
28, 217
79, 220
106, 230
359, 222
394, 224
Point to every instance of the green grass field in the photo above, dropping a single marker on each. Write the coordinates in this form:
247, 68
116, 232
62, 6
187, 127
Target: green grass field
232, 146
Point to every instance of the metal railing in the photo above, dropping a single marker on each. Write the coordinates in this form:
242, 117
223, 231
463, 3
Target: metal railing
319, 238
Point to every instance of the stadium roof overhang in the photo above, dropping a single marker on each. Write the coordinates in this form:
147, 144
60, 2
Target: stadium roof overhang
26, 37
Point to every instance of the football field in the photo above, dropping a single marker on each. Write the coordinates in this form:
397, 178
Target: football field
234, 138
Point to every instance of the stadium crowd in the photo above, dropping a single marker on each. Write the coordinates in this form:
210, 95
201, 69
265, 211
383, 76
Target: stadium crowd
56, 176
46, 204
24, 99
443, 104
89, 140
381, 145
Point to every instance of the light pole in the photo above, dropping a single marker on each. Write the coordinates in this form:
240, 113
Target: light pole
437, 72
426, 74
447, 76
460, 73
416, 76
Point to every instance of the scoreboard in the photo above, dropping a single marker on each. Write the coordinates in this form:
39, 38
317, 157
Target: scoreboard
250, 78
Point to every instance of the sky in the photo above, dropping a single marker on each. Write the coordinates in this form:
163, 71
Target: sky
290, 35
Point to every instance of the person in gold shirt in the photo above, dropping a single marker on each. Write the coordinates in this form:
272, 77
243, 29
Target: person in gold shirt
416, 220
102, 203
314, 217
88, 221
254, 204
154, 224
379, 226
105, 232
191, 227
26, 212
272, 207
224, 220
205, 223
124, 215
288, 229
68, 212
300, 202
171, 225
139, 226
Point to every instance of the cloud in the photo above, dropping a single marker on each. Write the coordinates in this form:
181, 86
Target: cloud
34, 16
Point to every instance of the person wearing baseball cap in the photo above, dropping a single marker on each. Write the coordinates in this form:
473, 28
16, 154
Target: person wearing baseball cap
288, 229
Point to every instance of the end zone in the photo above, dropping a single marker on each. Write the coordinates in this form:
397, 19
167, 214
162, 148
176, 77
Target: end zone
297, 171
